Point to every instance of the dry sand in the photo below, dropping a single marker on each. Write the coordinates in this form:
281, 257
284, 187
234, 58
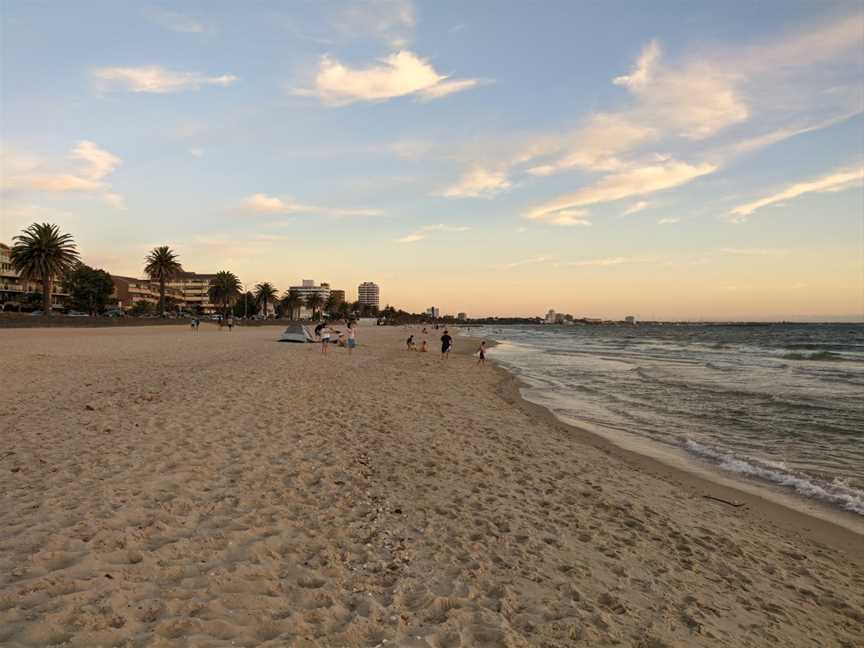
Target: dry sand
162, 488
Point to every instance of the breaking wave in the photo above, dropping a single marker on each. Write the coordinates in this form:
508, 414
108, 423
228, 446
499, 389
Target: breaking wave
836, 493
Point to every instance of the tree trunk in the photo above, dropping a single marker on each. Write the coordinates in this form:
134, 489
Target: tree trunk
46, 296
162, 297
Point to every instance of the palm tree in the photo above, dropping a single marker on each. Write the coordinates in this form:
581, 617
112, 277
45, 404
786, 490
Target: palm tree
314, 301
41, 253
162, 265
224, 289
291, 302
265, 292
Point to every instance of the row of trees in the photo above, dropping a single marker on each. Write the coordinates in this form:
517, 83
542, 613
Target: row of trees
290, 303
42, 253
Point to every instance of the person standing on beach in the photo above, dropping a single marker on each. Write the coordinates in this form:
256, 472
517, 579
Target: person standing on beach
482, 353
352, 336
325, 338
410, 343
230, 323
446, 345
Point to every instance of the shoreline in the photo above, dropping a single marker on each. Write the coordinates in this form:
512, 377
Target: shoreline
827, 525
819, 528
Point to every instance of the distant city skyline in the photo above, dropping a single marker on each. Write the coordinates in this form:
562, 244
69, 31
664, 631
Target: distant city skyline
699, 162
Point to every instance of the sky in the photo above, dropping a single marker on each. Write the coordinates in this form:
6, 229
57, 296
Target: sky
669, 160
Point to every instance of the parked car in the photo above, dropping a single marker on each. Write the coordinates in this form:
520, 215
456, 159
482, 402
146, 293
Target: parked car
114, 312
216, 318
76, 313
36, 313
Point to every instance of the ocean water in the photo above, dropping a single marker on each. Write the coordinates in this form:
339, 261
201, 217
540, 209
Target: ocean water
779, 404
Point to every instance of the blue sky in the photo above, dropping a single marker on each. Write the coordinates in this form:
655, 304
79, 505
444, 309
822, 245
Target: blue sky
669, 159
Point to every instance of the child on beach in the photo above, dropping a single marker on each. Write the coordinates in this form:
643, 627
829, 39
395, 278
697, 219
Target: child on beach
482, 353
410, 343
446, 345
423, 348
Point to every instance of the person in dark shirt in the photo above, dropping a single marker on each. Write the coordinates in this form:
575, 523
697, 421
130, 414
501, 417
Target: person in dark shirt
446, 345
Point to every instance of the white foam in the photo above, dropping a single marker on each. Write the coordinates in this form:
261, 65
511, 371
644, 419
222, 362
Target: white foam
838, 493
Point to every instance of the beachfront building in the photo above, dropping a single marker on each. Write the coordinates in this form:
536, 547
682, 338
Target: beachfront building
551, 317
187, 291
630, 319
368, 293
433, 312
461, 317
194, 289
128, 291
306, 288
16, 293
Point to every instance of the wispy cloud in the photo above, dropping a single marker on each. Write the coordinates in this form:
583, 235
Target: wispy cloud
708, 108
98, 162
174, 21
524, 262
423, 231
400, 74
636, 207
411, 238
769, 252
596, 146
478, 183
609, 261
263, 204
88, 179
834, 181
644, 68
633, 182
155, 79
445, 228
668, 221
570, 218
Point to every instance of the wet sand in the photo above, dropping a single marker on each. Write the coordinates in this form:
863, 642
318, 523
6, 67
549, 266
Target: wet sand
165, 488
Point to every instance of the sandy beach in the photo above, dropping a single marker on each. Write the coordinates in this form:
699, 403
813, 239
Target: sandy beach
164, 488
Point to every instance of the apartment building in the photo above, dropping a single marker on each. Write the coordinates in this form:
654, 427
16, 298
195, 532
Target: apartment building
369, 293
194, 287
128, 290
13, 288
307, 287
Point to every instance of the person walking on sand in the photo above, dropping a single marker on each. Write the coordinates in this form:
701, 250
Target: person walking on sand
410, 343
446, 345
482, 353
352, 336
230, 323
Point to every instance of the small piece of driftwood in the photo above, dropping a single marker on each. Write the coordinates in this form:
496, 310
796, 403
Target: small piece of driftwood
718, 499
